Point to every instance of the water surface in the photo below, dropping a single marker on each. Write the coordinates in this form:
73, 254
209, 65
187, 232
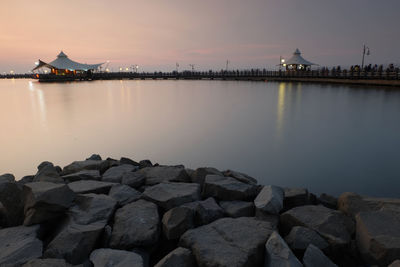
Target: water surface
327, 138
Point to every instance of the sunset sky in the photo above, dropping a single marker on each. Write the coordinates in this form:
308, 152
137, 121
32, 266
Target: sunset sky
155, 34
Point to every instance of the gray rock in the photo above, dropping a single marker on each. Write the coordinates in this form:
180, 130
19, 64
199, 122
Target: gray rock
228, 242
87, 186
7, 177
170, 195
227, 188
270, 199
177, 221
278, 253
159, 174
47, 173
117, 258
114, 174
271, 218
11, 196
145, 163
135, 225
94, 157
328, 201
295, 197
45, 201
378, 236
300, 237
19, 245
3, 216
238, 208
396, 263
124, 160
180, 257
200, 174
26, 179
333, 225
241, 177
76, 166
124, 194
133, 179
47, 263
82, 175
314, 257
208, 211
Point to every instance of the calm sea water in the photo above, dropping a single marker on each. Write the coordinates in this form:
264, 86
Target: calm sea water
327, 138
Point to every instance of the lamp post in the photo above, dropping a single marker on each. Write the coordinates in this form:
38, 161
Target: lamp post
281, 62
365, 51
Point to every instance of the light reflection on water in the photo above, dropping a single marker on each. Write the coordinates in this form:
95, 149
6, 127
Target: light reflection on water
326, 138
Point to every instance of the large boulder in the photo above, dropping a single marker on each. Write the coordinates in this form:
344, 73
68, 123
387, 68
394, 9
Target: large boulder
124, 160
47, 263
115, 174
396, 263
314, 257
301, 237
159, 174
295, 197
170, 195
333, 225
205, 211
47, 173
116, 258
378, 236
19, 245
270, 199
82, 175
227, 188
241, 177
328, 201
11, 196
199, 175
86, 186
238, 208
179, 257
228, 242
90, 164
177, 221
7, 177
278, 253
45, 201
133, 179
124, 194
135, 225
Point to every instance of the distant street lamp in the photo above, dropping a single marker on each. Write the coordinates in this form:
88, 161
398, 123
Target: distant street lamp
365, 52
11, 71
281, 62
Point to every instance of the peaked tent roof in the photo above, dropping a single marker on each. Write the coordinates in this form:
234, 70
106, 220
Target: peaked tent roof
297, 59
63, 62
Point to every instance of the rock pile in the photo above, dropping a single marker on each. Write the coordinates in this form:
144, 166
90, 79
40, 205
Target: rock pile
111, 212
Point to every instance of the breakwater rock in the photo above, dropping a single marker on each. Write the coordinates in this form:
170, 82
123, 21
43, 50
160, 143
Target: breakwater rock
111, 212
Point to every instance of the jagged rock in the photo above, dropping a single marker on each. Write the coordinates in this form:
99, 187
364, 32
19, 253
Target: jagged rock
104, 257
228, 242
82, 175
314, 257
295, 197
76, 166
88, 186
26, 179
124, 194
19, 245
177, 221
200, 174
333, 225
300, 237
159, 174
124, 160
238, 208
227, 188
135, 225
278, 253
145, 163
170, 195
45, 201
271, 218
378, 236
180, 257
114, 174
47, 263
396, 263
47, 173
328, 201
270, 199
11, 196
241, 177
133, 179
7, 177
94, 157
205, 211
3, 216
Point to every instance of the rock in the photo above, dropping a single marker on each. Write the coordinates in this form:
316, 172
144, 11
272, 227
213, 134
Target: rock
114, 174
238, 208
333, 225
87, 186
227, 188
76, 166
45, 201
26, 179
145, 163
177, 221
19, 245
129, 161
180, 257
300, 237
133, 179
328, 201
82, 175
124, 194
378, 236
241, 177
159, 174
228, 242
11, 196
295, 197
271, 218
314, 257
47, 263
396, 263
94, 157
270, 199
200, 174
7, 177
208, 211
278, 253
117, 258
47, 173
135, 225
170, 195
3, 216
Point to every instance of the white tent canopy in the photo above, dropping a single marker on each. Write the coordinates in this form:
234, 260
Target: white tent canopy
297, 59
63, 62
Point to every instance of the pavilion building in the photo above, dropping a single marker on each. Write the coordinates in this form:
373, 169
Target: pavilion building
297, 62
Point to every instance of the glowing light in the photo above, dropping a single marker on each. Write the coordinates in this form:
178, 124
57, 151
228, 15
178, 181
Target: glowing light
120, 69
282, 60
11, 71
36, 63
127, 69
284, 65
